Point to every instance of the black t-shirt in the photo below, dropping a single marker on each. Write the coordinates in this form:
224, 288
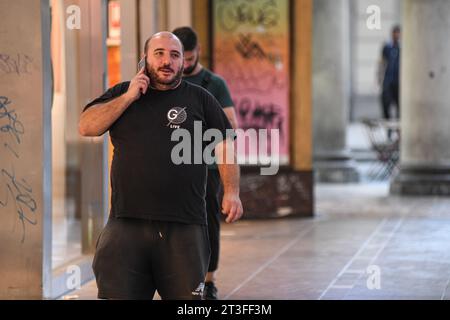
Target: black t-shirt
144, 180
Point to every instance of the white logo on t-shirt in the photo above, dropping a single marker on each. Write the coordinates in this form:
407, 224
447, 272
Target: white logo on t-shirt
176, 116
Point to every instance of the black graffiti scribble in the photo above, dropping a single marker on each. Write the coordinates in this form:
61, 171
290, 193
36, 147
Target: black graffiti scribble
18, 191
248, 48
18, 64
9, 124
231, 14
252, 114
259, 76
21, 195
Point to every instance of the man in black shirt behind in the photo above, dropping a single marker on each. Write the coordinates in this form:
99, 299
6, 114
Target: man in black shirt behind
156, 236
195, 73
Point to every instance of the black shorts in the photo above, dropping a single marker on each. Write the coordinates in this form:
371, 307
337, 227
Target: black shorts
136, 257
213, 206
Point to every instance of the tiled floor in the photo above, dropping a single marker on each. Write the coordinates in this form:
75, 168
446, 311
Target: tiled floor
362, 244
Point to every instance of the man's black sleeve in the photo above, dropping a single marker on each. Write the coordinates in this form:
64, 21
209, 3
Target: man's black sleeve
110, 94
223, 94
215, 117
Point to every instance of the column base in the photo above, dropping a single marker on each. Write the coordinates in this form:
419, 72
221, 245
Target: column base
290, 193
421, 181
335, 168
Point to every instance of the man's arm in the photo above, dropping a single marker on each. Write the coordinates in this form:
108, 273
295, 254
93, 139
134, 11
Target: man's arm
230, 176
231, 115
98, 118
381, 69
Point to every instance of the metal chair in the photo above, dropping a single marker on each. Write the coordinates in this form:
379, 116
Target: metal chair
384, 138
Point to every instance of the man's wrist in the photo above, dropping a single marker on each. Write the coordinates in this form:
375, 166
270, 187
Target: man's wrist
233, 192
127, 99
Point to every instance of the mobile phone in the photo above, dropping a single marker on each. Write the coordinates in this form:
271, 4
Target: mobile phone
143, 64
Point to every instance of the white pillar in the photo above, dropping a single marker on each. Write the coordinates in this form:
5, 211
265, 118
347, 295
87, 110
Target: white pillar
148, 20
180, 13
425, 99
129, 41
331, 91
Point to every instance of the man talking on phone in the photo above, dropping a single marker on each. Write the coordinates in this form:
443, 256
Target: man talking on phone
156, 236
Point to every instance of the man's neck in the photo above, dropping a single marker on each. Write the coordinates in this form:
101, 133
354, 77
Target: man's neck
196, 71
165, 87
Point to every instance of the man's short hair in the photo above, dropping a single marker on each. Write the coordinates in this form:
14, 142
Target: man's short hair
396, 28
187, 36
162, 33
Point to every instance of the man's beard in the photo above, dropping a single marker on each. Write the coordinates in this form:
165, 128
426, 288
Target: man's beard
155, 79
189, 70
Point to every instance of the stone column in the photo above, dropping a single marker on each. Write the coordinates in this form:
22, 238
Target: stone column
331, 91
425, 100
25, 151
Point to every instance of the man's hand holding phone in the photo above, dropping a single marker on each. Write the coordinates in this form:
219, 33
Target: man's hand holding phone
138, 85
